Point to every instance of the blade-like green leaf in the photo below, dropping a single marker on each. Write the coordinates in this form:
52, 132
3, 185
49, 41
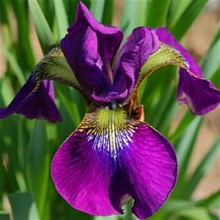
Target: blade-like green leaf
38, 165
132, 16
64, 94
4, 15
202, 169
215, 78
184, 148
194, 213
212, 60
176, 9
187, 18
186, 120
4, 215
20, 12
209, 201
61, 18
97, 9
108, 12
156, 12
23, 206
174, 205
14, 65
42, 28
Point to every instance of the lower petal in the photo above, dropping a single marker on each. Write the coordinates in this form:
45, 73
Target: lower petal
82, 175
198, 93
110, 159
151, 167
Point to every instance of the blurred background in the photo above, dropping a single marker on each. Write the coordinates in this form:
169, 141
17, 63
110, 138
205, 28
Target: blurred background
30, 28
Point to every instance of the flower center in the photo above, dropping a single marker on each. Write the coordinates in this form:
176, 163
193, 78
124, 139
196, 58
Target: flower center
108, 130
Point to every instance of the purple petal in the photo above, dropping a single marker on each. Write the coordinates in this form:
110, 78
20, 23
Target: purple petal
169, 39
142, 42
34, 102
82, 175
89, 48
98, 169
150, 166
198, 93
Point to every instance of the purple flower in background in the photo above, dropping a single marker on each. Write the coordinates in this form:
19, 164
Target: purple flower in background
113, 155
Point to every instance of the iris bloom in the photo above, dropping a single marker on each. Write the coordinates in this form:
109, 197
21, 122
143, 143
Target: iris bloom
113, 155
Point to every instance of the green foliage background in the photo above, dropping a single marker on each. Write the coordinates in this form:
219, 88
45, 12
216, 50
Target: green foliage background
27, 146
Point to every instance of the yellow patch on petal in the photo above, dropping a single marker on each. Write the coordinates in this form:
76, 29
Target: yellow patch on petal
109, 130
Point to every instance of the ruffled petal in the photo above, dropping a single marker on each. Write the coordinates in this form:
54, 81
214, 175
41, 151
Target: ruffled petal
89, 48
110, 159
34, 100
82, 175
198, 93
141, 43
151, 165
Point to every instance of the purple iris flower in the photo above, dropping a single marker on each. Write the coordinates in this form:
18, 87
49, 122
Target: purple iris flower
113, 155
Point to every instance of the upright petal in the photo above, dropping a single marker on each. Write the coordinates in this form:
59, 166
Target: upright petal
198, 93
142, 42
89, 48
34, 100
111, 158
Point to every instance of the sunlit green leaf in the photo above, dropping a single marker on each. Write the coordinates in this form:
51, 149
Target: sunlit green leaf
38, 164
156, 13
4, 215
61, 18
42, 28
23, 206
202, 169
187, 18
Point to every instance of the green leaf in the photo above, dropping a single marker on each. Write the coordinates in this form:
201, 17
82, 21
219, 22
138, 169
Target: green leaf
184, 123
216, 38
133, 15
173, 205
209, 201
187, 18
194, 213
97, 9
157, 10
215, 78
65, 96
184, 148
42, 28
20, 12
61, 18
4, 15
108, 218
202, 169
14, 65
212, 60
23, 206
38, 165
176, 9
4, 215
108, 12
